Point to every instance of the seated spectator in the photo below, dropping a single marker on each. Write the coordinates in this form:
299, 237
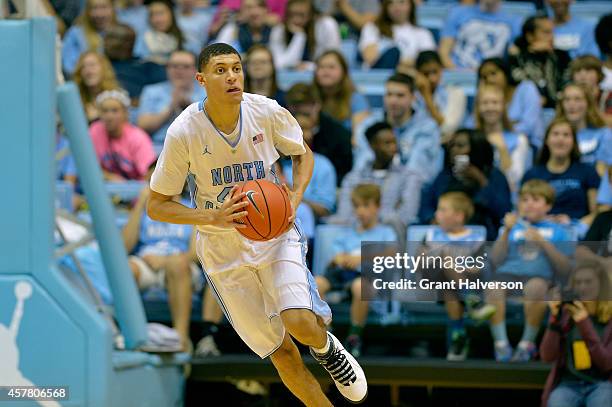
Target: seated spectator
578, 341
87, 33
161, 103
536, 59
131, 73
344, 270
355, 13
400, 186
254, 30
394, 38
418, 135
330, 138
558, 163
303, 36
523, 101
446, 104
260, 74
339, 97
468, 167
163, 36
474, 33
587, 71
594, 138
193, 23
93, 74
603, 35
320, 194
530, 250
163, 255
228, 10
124, 151
512, 152
454, 239
133, 13
571, 34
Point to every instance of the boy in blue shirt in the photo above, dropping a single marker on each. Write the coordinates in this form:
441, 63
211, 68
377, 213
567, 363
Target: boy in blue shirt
345, 268
526, 252
472, 34
572, 34
453, 238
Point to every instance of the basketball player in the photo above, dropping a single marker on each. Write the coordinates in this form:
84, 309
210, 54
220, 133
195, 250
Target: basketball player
264, 288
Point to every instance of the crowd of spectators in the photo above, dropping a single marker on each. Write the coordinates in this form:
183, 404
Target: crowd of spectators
520, 170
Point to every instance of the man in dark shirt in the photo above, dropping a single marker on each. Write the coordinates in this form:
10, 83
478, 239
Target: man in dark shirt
331, 138
131, 73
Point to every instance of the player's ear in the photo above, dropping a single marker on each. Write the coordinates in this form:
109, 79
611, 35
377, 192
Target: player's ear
200, 78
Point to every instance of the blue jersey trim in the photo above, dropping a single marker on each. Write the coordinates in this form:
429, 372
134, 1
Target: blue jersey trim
232, 145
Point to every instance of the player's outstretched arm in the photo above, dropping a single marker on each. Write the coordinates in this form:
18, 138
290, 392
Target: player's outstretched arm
162, 208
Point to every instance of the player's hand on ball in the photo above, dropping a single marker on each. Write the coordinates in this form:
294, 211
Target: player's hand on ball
231, 211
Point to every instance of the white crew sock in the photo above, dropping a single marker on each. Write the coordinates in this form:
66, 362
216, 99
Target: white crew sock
324, 349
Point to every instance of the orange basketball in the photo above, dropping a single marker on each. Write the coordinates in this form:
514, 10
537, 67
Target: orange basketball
268, 211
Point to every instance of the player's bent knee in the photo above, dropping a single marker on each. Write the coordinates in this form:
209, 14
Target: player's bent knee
301, 324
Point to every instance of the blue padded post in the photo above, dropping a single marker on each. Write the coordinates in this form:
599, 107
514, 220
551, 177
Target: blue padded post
128, 306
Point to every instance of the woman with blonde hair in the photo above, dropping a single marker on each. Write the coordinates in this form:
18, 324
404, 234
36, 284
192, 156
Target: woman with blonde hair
578, 341
577, 105
87, 33
93, 75
339, 97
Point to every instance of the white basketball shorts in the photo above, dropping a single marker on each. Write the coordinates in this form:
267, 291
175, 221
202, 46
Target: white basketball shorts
255, 281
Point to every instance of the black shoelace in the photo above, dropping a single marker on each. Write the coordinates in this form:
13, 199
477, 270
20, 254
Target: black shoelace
339, 367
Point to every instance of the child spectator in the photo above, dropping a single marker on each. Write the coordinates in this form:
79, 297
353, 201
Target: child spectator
594, 138
446, 104
399, 185
123, 150
163, 255
254, 30
468, 167
330, 138
418, 135
603, 35
260, 74
538, 61
345, 268
132, 73
572, 34
163, 37
531, 250
512, 153
452, 237
193, 23
303, 36
473, 33
87, 33
339, 97
162, 102
558, 163
394, 38
578, 341
93, 75
320, 195
523, 101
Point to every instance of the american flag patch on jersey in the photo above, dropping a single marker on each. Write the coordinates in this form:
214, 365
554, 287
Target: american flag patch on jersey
258, 138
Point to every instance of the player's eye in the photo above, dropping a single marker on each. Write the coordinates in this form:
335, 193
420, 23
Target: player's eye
237, 68
220, 70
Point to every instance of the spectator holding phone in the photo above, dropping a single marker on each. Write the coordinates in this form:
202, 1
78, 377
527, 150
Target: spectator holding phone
578, 341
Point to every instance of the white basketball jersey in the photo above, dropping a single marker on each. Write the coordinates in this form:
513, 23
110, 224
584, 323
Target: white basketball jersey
193, 145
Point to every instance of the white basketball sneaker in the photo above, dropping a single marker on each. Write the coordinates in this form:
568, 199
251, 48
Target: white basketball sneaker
344, 369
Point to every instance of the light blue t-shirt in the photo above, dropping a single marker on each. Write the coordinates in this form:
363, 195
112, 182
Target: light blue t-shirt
525, 112
157, 97
136, 17
595, 145
604, 193
527, 259
479, 35
359, 103
322, 186
349, 241
194, 29
73, 45
161, 238
65, 165
576, 37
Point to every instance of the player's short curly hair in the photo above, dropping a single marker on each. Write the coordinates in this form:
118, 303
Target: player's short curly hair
213, 50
